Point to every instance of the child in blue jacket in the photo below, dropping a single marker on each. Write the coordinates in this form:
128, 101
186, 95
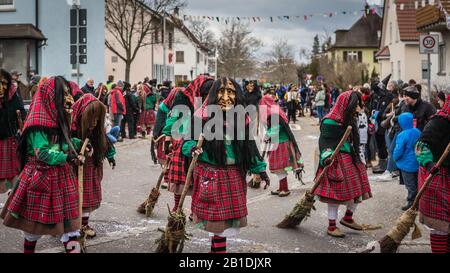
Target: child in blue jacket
405, 157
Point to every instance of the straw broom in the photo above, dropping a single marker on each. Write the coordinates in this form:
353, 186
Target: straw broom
393, 239
80, 193
303, 208
172, 239
149, 204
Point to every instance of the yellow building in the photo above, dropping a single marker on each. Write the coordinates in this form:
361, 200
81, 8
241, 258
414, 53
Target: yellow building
359, 44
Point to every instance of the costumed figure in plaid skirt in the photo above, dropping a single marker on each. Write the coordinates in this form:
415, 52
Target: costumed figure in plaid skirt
434, 204
10, 103
161, 157
346, 181
199, 88
147, 104
284, 154
88, 121
219, 197
45, 199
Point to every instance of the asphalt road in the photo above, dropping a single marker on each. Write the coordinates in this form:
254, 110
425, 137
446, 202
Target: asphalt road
121, 229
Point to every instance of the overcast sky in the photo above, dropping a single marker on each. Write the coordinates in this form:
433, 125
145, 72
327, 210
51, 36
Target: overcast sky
298, 32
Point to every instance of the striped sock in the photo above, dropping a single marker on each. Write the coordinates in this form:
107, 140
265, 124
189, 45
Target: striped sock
331, 225
218, 244
438, 243
85, 221
448, 243
177, 198
29, 247
348, 216
284, 184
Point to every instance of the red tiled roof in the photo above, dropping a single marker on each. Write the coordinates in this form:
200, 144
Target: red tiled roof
406, 19
384, 52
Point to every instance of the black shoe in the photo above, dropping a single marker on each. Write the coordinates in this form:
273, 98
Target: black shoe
407, 207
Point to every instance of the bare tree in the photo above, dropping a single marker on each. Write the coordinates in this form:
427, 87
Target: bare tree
341, 73
281, 64
132, 24
237, 48
203, 34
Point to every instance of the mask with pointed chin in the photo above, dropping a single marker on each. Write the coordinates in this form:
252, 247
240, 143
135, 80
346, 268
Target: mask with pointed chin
68, 100
226, 96
3, 87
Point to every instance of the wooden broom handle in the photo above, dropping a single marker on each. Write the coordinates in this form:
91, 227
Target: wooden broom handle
189, 175
80, 181
430, 178
333, 156
19, 120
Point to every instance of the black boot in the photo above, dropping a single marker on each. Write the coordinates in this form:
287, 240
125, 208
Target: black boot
381, 168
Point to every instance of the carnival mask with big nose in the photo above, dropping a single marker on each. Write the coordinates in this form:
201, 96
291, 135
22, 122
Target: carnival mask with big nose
226, 96
68, 100
250, 87
3, 87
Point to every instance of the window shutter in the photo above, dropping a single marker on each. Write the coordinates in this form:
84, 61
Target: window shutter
360, 56
345, 56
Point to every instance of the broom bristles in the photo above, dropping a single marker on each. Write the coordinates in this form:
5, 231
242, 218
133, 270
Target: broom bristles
172, 239
387, 245
301, 210
151, 202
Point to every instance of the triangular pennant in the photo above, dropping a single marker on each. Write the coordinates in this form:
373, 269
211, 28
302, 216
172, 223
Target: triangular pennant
218, 20
271, 19
305, 17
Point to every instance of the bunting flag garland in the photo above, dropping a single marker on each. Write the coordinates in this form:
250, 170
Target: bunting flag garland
282, 18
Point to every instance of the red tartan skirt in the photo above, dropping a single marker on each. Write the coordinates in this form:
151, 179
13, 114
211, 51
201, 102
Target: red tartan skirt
160, 153
92, 186
147, 118
435, 200
280, 158
344, 181
9, 161
176, 173
46, 194
219, 193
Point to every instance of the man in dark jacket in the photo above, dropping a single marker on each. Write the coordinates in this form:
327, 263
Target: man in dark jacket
380, 99
422, 110
89, 88
132, 107
165, 89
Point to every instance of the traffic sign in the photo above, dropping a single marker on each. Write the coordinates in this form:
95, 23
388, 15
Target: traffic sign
429, 44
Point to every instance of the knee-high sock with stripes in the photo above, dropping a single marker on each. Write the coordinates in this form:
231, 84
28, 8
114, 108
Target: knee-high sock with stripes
85, 219
448, 243
438, 241
351, 208
29, 243
177, 198
283, 182
332, 216
29, 247
218, 244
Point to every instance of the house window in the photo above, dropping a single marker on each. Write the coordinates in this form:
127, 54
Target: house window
353, 56
6, 5
114, 59
392, 68
442, 57
198, 57
170, 40
179, 56
156, 37
399, 69
390, 33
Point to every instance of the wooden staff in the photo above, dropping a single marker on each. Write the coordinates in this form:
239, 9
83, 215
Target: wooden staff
19, 120
81, 188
